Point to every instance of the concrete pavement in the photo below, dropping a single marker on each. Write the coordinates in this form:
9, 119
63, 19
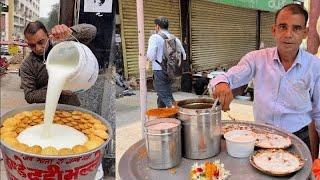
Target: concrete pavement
11, 94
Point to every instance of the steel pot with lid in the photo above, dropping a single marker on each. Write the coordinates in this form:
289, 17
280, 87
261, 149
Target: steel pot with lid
163, 142
201, 128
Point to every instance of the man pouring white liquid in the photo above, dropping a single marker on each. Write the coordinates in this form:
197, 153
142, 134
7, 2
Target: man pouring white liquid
33, 72
43, 83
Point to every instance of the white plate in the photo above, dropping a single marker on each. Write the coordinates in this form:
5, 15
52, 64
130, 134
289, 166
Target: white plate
276, 162
272, 141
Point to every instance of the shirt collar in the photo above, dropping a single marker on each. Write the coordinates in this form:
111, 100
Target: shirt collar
297, 61
164, 31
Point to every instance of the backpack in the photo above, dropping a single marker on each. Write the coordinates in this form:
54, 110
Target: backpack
171, 58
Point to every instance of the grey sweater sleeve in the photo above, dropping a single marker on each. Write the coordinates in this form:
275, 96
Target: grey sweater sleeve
85, 33
28, 83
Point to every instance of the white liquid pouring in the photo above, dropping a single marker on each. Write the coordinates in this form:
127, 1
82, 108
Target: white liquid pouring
49, 134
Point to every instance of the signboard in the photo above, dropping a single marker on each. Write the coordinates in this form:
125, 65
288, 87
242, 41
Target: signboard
103, 6
265, 5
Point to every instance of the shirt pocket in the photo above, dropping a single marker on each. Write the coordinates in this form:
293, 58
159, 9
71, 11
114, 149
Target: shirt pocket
296, 95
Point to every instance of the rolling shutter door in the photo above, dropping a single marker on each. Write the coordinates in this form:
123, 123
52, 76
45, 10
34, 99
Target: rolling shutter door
152, 10
267, 20
220, 34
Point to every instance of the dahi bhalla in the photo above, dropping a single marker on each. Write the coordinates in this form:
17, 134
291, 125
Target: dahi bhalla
95, 131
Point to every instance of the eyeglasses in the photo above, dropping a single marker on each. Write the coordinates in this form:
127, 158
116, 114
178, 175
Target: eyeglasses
295, 28
40, 42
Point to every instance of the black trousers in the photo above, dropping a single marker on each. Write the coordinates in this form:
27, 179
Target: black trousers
303, 134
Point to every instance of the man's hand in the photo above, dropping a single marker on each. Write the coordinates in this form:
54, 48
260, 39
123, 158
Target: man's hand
314, 140
224, 93
60, 32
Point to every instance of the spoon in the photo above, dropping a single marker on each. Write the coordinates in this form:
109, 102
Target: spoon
214, 106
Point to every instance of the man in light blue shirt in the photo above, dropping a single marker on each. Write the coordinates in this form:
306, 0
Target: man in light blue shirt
161, 81
286, 79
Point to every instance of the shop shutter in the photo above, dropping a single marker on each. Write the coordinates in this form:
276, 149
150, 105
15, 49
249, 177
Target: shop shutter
220, 34
129, 33
267, 20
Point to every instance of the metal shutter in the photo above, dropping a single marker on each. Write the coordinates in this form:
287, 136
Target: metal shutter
152, 10
267, 20
220, 34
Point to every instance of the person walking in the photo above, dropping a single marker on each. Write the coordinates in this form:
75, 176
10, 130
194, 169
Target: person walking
156, 54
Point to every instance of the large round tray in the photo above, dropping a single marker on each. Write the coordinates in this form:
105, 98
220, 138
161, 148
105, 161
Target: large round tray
133, 164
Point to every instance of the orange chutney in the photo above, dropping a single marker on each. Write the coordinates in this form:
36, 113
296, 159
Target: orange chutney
162, 112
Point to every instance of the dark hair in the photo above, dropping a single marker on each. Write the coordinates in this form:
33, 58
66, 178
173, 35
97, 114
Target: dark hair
162, 21
33, 28
294, 9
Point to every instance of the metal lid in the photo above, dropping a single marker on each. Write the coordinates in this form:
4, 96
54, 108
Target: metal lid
162, 125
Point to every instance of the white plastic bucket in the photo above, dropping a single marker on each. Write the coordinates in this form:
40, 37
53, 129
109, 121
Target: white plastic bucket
78, 55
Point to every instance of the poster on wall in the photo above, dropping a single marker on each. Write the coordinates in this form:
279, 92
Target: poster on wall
103, 6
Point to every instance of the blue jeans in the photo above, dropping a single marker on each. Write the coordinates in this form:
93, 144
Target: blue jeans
162, 85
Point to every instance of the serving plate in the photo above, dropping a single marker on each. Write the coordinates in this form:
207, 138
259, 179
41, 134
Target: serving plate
277, 159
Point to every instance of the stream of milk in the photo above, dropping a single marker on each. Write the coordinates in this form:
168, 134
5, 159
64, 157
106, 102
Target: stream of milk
49, 134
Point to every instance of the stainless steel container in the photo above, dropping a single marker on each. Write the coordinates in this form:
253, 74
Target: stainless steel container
22, 165
201, 128
163, 145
